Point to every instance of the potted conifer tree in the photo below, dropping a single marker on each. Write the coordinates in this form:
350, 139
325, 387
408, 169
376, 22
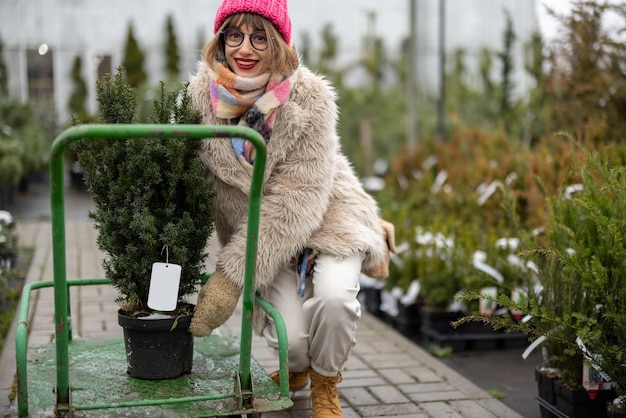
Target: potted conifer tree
152, 205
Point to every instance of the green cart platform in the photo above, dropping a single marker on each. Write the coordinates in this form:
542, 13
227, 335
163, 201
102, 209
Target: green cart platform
87, 378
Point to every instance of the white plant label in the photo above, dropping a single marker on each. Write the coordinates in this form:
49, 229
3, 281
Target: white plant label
164, 283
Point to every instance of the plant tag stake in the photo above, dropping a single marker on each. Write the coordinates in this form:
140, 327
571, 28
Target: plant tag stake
164, 283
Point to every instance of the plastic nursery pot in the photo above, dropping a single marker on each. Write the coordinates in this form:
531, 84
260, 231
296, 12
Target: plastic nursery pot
155, 351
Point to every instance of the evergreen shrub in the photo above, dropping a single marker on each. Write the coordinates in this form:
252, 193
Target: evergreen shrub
579, 302
152, 199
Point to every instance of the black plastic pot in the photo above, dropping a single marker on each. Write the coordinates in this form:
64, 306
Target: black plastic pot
370, 299
557, 401
155, 351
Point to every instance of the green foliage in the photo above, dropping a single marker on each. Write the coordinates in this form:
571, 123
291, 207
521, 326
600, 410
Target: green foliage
496, 394
440, 351
149, 194
10, 277
8, 243
23, 147
172, 57
133, 60
11, 164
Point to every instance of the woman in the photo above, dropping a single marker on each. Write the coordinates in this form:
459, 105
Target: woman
313, 208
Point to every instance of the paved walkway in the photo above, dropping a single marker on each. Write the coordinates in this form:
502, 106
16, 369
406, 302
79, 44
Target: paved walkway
387, 374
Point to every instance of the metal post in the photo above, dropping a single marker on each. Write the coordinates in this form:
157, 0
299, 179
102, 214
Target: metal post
61, 304
412, 136
441, 104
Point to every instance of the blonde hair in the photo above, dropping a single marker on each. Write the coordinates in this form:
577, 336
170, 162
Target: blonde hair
284, 58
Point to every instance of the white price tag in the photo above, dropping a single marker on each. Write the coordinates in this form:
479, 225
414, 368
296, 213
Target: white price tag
488, 307
164, 283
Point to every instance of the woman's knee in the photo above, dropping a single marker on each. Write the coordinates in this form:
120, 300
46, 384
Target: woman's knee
298, 342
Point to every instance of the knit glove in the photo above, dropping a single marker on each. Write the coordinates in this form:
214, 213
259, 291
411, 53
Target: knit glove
216, 303
381, 270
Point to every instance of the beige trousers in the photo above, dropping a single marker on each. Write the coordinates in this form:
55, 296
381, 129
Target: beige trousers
321, 325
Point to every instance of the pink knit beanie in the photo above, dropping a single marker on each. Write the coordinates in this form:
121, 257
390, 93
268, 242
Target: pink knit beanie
273, 10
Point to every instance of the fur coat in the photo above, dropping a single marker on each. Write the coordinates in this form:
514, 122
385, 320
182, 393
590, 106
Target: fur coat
311, 196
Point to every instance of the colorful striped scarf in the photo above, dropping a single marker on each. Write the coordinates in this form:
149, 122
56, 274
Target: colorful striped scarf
248, 102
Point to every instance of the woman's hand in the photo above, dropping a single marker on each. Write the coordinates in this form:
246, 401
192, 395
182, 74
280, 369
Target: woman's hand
381, 270
390, 234
217, 301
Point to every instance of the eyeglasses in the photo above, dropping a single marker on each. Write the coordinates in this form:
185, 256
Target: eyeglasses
234, 38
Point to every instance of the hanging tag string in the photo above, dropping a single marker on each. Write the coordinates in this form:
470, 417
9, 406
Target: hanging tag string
167, 253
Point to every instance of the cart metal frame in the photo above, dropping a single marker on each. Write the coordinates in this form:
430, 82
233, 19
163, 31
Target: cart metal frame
248, 390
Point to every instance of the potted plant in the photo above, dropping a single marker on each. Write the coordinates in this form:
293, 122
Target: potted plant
576, 310
152, 204
443, 265
497, 269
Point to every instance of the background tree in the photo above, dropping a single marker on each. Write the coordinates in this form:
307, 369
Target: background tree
4, 75
586, 83
326, 62
172, 57
133, 60
506, 76
76, 102
304, 48
485, 69
535, 121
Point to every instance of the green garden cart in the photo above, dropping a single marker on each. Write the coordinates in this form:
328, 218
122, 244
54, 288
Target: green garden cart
86, 377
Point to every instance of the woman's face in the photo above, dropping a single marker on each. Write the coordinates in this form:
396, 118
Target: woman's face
245, 60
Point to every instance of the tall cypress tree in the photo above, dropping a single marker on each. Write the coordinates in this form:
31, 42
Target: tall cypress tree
506, 84
133, 60
586, 86
76, 102
172, 57
4, 76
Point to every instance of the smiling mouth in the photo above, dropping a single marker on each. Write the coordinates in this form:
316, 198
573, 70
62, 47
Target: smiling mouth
246, 64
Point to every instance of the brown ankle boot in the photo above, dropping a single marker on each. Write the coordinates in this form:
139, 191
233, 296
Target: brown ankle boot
324, 396
297, 380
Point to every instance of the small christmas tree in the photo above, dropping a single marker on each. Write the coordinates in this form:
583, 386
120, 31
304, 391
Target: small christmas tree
152, 199
78, 98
